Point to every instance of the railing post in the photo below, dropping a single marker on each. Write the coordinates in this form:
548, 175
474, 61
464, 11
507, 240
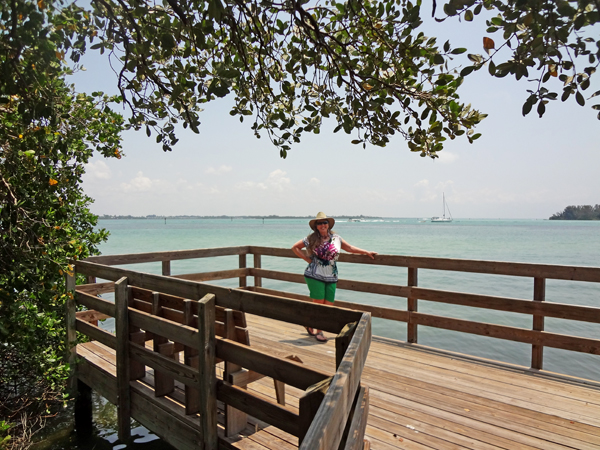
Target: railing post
257, 265
242, 266
208, 377
309, 404
166, 268
163, 384
123, 369
537, 351
411, 328
190, 355
71, 331
342, 342
235, 420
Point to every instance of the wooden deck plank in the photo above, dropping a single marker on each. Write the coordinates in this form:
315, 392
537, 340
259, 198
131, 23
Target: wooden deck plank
563, 426
420, 398
502, 389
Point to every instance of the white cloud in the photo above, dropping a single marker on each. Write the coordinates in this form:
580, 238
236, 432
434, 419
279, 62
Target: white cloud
139, 184
218, 171
422, 183
98, 170
314, 182
249, 185
277, 180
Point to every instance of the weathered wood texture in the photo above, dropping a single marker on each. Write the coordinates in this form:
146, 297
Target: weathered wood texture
422, 398
341, 406
142, 315
419, 398
260, 304
327, 428
123, 363
557, 272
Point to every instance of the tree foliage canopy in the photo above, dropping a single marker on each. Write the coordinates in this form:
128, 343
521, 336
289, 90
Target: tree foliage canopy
364, 63
47, 134
581, 212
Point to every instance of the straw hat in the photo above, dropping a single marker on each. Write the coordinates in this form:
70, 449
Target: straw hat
321, 216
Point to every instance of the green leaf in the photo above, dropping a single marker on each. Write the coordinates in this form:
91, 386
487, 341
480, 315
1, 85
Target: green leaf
468, 15
579, 98
541, 109
466, 71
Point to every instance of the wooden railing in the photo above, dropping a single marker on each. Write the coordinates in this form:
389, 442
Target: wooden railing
536, 307
183, 315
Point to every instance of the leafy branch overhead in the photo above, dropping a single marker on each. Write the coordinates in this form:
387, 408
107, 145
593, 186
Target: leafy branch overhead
288, 65
364, 64
545, 40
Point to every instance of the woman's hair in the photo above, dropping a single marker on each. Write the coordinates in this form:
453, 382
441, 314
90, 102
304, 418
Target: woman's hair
314, 239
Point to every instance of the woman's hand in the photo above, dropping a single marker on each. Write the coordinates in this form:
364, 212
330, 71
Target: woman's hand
297, 249
352, 249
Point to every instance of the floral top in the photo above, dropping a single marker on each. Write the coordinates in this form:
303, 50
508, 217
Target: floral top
323, 265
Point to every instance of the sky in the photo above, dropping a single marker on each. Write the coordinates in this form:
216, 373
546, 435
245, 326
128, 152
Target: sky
521, 167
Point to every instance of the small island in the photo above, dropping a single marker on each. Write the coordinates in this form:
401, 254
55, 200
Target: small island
581, 212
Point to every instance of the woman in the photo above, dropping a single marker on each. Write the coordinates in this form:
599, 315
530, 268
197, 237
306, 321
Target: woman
323, 248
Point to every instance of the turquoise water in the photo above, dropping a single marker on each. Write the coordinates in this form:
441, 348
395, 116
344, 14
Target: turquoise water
533, 241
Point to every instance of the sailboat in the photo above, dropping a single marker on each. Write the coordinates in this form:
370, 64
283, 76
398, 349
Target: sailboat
443, 218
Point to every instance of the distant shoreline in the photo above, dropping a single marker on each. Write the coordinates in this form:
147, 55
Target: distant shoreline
153, 216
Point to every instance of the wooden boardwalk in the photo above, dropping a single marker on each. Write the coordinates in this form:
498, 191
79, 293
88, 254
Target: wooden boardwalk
413, 397
426, 399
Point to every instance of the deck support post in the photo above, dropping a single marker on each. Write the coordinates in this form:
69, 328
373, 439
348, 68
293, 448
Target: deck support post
411, 305
242, 265
257, 265
208, 376
537, 351
123, 369
83, 410
71, 332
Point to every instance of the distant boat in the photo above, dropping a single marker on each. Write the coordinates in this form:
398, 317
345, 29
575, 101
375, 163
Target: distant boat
443, 218
354, 220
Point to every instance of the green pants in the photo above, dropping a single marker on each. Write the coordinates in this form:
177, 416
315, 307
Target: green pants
320, 290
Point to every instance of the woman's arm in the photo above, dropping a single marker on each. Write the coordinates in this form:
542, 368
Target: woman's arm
297, 249
352, 249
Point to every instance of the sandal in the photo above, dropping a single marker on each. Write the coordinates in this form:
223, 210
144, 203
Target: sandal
320, 337
310, 331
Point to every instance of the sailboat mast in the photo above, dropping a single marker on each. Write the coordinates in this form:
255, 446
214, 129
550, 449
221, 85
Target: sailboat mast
444, 204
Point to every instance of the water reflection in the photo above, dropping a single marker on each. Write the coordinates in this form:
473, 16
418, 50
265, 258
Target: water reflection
104, 434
